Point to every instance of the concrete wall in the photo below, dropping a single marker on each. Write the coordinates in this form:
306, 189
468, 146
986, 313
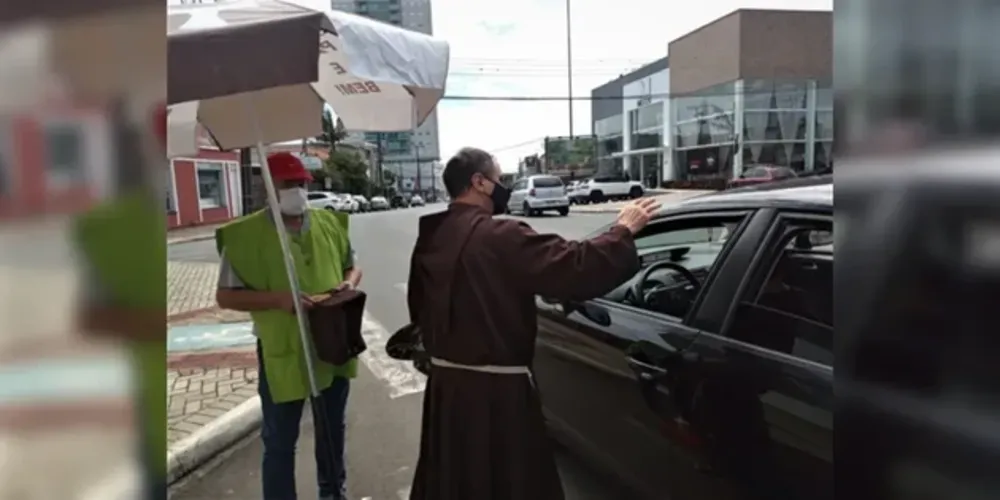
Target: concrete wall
748, 44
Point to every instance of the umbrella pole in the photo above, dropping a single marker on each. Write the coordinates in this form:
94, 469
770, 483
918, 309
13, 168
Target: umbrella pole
293, 278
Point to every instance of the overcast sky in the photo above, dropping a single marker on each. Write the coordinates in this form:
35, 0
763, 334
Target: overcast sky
518, 47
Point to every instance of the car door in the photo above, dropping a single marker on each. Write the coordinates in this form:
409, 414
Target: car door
612, 375
765, 386
317, 200
517, 195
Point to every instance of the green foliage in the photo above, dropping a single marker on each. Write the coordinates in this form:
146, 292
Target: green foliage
348, 171
333, 131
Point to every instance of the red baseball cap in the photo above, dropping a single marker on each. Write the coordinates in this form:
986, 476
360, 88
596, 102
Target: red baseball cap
287, 167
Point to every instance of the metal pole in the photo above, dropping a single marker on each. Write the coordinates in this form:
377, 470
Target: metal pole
378, 161
246, 186
569, 65
416, 150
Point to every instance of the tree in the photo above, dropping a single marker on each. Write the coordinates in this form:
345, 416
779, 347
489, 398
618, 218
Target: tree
348, 172
333, 130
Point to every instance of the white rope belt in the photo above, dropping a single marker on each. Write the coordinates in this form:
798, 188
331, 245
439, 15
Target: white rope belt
494, 369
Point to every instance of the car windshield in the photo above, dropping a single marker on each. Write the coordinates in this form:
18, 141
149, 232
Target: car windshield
547, 182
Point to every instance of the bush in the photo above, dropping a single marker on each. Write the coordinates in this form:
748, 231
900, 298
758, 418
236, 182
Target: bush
711, 183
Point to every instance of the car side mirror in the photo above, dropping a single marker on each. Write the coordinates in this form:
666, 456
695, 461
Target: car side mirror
599, 315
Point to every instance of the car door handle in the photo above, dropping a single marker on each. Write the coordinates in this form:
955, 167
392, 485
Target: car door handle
646, 372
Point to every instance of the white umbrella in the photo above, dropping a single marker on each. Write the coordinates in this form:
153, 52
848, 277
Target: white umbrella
281, 60
258, 71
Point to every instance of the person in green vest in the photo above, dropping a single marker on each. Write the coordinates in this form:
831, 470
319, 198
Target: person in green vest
252, 278
121, 246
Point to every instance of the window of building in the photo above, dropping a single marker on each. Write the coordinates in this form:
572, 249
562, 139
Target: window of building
607, 146
609, 126
64, 148
790, 307
211, 185
720, 99
646, 140
650, 116
824, 124
775, 95
701, 162
714, 130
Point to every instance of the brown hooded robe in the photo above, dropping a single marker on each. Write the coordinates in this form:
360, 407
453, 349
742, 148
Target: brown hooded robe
472, 287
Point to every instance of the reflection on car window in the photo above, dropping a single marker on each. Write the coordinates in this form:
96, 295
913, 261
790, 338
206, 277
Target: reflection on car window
693, 245
711, 234
792, 309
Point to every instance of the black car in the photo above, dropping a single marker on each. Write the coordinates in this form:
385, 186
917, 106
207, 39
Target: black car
709, 375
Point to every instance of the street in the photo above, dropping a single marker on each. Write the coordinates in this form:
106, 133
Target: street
383, 421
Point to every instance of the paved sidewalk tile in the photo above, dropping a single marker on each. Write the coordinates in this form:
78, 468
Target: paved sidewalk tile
187, 233
203, 386
190, 286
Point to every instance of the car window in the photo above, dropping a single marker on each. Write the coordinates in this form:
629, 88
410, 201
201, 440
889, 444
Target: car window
547, 182
316, 196
693, 244
789, 307
519, 185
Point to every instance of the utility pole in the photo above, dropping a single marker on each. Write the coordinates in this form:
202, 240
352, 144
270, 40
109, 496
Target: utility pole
434, 176
416, 150
569, 65
246, 175
378, 162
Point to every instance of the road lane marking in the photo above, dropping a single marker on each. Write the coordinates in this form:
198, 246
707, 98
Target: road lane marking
400, 376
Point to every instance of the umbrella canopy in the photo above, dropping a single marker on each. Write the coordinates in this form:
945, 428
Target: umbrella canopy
230, 63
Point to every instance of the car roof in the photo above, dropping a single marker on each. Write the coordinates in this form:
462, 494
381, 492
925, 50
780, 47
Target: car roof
811, 193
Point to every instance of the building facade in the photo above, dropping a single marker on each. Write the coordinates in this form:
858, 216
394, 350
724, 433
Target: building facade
630, 117
204, 189
751, 88
410, 155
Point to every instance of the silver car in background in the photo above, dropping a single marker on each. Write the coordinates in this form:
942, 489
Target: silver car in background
379, 203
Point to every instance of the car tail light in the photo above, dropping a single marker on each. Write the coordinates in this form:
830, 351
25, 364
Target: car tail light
531, 192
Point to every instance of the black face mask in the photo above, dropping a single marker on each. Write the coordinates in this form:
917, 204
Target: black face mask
500, 196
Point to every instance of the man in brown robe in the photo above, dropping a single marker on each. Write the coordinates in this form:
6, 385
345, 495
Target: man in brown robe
472, 287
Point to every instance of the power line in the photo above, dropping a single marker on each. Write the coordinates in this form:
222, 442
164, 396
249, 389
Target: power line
551, 98
515, 146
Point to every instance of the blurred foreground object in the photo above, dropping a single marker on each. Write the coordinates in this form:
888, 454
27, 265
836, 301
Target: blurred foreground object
916, 286
918, 249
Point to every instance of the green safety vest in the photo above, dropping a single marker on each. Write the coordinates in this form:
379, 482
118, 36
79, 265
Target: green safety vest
252, 248
123, 244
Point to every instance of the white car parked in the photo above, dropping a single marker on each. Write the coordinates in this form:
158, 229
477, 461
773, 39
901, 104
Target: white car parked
332, 201
607, 187
538, 193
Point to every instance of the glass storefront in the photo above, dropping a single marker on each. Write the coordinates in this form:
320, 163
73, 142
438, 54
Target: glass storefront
787, 123
609, 142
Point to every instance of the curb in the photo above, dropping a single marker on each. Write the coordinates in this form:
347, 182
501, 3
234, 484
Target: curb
190, 314
189, 239
215, 437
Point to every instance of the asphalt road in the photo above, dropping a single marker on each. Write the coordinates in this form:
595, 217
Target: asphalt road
383, 432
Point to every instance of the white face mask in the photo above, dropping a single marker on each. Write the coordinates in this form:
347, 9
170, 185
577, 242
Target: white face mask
293, 201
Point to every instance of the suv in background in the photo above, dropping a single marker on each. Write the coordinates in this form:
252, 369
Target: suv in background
762, 174
607, 187
325, 200
533, 195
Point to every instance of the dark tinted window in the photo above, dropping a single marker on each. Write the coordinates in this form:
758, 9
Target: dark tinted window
316, 196
547, 182
790, 308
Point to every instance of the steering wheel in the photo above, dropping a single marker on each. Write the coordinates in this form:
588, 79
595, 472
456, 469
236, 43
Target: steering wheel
638, 289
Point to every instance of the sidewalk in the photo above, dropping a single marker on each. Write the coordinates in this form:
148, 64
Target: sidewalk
667, 198
194, 233
211, 387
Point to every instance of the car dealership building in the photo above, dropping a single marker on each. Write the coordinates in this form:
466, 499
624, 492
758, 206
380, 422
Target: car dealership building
753, 87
